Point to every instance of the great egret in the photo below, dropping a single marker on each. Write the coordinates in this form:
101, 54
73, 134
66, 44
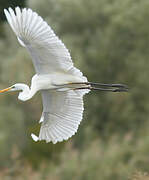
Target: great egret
61, 84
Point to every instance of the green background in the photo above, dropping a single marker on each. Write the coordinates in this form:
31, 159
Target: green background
109, 43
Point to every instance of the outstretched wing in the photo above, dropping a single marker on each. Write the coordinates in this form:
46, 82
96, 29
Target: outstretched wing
48, 52
62, 114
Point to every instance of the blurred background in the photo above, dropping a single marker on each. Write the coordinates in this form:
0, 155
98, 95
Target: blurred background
109, 43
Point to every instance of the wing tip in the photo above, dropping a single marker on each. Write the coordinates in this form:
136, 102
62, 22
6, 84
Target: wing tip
34, 137
10, 9
17, 8
5, 10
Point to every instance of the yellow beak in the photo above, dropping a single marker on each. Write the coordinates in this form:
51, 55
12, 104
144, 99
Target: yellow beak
5, 90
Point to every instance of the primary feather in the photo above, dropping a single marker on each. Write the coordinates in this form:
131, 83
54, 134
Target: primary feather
62, 111
48, 52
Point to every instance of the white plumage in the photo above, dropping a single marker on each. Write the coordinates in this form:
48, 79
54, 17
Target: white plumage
48, 52
62, 115
61, 84
62, 110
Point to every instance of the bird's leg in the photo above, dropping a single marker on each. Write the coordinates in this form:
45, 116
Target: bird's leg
97, 86
101, 84
103, 89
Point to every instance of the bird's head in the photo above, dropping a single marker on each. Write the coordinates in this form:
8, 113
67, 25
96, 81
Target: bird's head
15, 87
24, 94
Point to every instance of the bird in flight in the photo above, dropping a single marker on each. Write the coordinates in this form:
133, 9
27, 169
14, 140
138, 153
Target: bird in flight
62, 86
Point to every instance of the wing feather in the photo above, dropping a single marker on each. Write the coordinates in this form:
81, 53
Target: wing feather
62, 114
62, 111
48, 52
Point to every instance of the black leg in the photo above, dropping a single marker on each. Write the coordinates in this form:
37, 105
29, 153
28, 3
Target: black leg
103, 89
98, 86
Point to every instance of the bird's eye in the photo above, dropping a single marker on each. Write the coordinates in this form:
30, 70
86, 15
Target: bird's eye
13, 87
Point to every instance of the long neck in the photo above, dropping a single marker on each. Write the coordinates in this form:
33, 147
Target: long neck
26, 92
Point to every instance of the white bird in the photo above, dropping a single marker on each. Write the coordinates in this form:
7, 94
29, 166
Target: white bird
62, 86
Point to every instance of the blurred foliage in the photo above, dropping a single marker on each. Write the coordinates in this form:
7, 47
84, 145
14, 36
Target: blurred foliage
111, 160
140, 176
108, 41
